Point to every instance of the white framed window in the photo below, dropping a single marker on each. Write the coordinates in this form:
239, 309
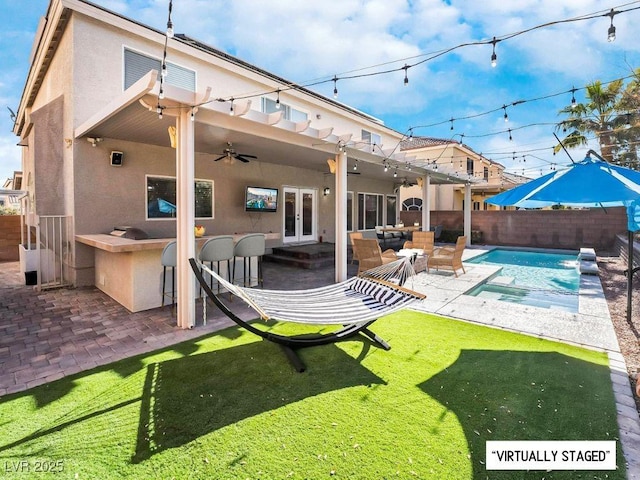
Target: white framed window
137, 65
161, 198
290, 113
413, 203
371, 138
370, 210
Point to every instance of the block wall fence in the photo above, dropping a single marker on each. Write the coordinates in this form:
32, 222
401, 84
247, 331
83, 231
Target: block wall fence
9, 238
569, 229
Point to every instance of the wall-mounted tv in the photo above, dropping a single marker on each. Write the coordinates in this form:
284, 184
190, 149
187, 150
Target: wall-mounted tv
261, 199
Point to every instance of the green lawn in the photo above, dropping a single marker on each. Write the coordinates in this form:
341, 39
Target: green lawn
229, 406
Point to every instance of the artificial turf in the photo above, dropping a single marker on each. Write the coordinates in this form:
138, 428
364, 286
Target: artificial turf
229, 406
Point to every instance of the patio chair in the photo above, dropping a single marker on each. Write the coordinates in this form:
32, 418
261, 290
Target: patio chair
370, 254
352, 237
450, 257
422, 240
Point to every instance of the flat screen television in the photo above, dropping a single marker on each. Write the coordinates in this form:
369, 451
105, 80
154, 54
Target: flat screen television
261, 199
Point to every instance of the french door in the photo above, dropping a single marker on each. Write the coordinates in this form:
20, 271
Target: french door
300, 215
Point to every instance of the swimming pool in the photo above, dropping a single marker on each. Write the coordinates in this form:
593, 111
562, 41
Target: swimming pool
539, 279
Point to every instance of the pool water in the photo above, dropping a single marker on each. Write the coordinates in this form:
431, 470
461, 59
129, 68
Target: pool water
546, 280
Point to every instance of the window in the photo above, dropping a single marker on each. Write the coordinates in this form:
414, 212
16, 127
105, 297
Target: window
392, 208
349, 211
290, 113
370, 210
161, 198
371, 138
412, 203
470, 166
476, 205
137, 65
486, 173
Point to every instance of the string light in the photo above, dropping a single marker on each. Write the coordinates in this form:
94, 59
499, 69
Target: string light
510, 137
161, 93
193, 115
611, 33
231, 107
278, 99
573, 97
410, 135
335, 87
451, 123
395, 172
169, 23
159, 109
494, 57
355, 165
406, 78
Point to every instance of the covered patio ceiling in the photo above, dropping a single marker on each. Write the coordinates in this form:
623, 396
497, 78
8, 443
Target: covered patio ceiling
133, 117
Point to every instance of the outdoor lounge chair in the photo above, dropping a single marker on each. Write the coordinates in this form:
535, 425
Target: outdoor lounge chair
353, 304
422, 240
370, 254
450, 257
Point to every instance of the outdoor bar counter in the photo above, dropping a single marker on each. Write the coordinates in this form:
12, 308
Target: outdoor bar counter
130, 271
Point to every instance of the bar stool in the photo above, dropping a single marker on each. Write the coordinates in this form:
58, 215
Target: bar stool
249, 246
169, 259
217, 250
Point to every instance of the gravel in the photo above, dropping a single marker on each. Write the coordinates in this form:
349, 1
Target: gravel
614, 284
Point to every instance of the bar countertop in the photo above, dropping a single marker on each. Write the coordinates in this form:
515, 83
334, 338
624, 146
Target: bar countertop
114, 244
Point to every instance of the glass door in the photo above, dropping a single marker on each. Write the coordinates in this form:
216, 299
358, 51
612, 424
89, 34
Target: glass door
300, 221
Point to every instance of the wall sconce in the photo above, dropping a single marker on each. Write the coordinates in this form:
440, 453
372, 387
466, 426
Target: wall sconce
326, 191
94, 141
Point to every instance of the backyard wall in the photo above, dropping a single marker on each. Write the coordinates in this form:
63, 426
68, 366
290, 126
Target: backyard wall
9, 237
569, 229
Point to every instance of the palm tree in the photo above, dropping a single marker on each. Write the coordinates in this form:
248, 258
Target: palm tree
600, 115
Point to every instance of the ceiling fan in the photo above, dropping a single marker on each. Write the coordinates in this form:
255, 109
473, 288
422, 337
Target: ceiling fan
229, 154
404, 183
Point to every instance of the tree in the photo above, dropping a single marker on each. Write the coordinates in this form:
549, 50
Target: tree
611, 115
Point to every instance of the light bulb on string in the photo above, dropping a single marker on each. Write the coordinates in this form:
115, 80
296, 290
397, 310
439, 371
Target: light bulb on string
231, 107
193, 115
510, 137
506, 115
335, 87
278, 98
573, 98
169, 22
355, 165
164, 69
611, 33
161, 93
406, 78
494, 57
410, 134
451, 123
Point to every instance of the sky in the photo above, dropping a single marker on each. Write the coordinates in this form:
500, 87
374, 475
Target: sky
309, 40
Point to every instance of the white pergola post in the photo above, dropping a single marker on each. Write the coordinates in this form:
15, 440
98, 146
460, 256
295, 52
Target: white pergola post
341, 217
467, 212
426, 203
185, 216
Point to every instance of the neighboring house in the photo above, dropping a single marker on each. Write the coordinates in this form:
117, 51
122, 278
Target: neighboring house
449, 155
10, 192
107, 141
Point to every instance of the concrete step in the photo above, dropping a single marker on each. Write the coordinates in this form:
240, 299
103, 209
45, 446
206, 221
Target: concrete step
300, 262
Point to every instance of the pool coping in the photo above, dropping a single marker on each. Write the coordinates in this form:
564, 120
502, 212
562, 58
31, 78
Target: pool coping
446, 296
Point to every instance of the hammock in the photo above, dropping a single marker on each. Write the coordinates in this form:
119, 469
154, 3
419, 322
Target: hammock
355, 304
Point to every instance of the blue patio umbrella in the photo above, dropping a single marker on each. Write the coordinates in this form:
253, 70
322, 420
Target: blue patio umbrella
589, 183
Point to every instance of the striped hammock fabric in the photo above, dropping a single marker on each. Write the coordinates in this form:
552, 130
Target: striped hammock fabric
356, 300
